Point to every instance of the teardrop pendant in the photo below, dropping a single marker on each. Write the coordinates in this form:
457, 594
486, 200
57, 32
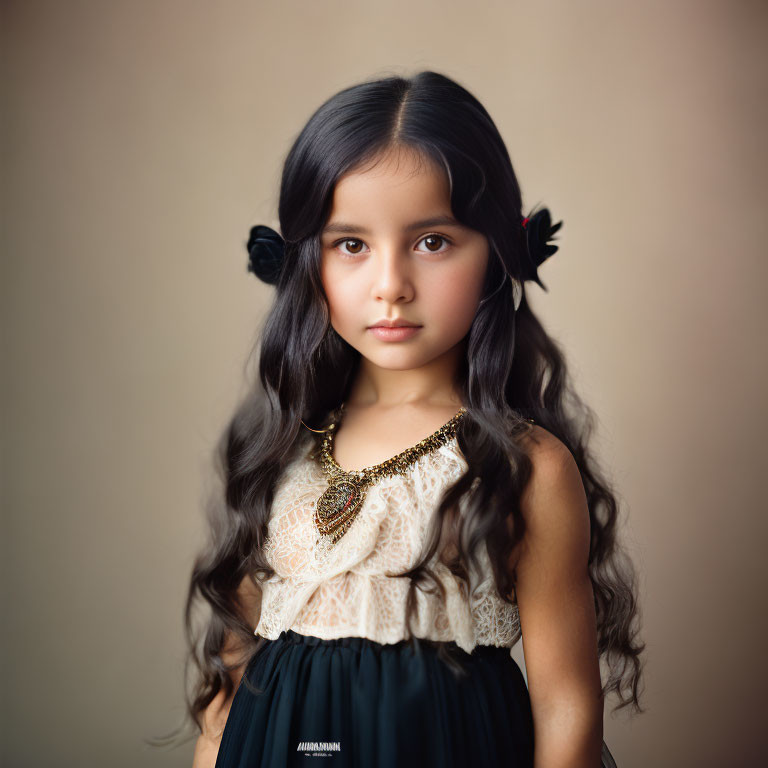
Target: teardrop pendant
340, 502
338, 505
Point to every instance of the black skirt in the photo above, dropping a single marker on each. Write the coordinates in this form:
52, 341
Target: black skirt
351, 702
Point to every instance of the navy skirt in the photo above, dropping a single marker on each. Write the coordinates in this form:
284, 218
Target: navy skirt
354, 703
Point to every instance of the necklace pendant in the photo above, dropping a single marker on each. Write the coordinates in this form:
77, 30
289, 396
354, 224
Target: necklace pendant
340, 502
338, 506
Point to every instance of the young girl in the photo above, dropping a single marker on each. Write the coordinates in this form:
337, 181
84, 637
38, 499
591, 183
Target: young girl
408, 489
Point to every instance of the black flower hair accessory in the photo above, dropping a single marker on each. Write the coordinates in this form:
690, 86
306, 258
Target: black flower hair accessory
539, 230
265, 253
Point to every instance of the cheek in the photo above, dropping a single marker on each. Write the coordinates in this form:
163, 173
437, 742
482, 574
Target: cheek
340, 296
455, 307
457, 294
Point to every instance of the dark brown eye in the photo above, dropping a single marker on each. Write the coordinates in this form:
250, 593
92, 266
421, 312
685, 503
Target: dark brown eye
349, 251
435, 240
354, 248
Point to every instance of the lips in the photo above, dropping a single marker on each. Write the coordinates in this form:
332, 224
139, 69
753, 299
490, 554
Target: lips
395, 324
389, 333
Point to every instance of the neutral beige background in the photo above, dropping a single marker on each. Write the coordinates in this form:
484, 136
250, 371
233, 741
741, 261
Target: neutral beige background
141, 140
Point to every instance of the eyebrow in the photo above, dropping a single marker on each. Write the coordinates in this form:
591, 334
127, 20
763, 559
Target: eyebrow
343, 228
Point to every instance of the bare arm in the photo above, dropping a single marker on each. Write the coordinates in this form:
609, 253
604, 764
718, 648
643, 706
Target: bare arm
216, 714
208, 742
557, 614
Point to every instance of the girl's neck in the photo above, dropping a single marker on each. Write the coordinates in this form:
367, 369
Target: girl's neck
429, 386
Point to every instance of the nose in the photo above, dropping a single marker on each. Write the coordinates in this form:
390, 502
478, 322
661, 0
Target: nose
392, 281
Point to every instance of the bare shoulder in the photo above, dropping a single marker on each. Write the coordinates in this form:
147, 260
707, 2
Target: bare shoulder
551, 459
553, 502
541, 440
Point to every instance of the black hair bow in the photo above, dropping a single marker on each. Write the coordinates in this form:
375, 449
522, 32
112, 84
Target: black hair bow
539, 230
265, 253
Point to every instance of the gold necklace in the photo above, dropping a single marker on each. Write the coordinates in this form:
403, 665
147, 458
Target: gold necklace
340, 502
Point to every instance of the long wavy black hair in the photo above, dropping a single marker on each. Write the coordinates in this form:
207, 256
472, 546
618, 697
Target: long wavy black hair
513, 371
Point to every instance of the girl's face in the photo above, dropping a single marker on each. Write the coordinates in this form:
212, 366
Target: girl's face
391, 250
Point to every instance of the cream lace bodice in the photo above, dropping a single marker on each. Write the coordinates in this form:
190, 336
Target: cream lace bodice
340, 591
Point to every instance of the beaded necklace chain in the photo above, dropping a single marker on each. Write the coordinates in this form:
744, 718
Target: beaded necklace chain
340, 502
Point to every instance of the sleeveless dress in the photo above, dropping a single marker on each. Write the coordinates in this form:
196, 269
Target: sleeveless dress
336, 681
